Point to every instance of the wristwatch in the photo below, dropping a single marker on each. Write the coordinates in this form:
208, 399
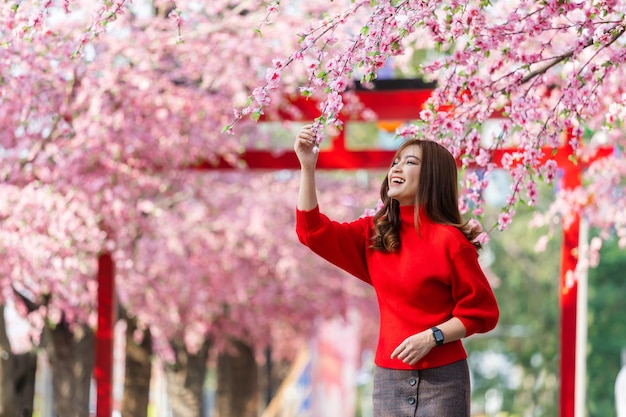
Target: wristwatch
438, 335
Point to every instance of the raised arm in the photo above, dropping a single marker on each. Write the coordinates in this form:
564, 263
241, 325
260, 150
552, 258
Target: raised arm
304, 147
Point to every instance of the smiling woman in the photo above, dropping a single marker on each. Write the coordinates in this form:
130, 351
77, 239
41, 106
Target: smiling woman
403, 177
422, 260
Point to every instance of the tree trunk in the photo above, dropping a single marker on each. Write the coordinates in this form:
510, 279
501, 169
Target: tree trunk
271, 376
185, 381
24, 375
6, 376
71, 358
138, 373
237, 382
17, 377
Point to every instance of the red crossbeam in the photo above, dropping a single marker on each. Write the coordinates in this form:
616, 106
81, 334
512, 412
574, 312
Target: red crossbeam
371, 159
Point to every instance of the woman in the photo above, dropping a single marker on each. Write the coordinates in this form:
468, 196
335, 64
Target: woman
422, 260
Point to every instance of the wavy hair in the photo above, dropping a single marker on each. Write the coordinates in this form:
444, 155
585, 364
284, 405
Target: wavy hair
437, 194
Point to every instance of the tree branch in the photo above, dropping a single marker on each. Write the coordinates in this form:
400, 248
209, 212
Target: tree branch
619, 32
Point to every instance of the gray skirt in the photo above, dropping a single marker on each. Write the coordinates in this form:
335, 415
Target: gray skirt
435, 392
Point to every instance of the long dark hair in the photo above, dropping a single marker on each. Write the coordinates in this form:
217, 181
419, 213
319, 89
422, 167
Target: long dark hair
437, 194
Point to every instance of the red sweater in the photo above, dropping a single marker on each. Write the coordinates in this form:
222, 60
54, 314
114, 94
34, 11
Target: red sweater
433, 277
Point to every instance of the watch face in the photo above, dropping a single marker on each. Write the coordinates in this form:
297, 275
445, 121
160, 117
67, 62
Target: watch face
438, 334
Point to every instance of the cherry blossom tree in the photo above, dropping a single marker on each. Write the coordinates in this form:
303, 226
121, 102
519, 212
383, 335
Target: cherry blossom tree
238, 279
50, 244
91, 125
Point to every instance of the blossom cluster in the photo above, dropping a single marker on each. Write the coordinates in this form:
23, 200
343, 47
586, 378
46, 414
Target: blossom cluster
108, 108
549, 70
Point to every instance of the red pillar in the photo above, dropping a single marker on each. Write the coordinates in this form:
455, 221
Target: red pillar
103, 369
568, 299
568, 296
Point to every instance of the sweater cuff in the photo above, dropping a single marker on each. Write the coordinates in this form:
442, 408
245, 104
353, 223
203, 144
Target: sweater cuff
308, 219
487, 323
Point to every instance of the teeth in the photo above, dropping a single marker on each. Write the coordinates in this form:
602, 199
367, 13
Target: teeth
397, 180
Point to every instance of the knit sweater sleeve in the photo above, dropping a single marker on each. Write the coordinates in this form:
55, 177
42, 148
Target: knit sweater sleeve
475, 303
342, 244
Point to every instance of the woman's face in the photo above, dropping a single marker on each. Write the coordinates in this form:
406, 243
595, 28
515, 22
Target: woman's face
404, 174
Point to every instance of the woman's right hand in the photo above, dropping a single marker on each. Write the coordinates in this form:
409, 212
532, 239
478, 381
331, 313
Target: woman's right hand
306, 147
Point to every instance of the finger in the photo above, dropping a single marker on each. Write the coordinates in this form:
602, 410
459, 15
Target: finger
306, 130
306, 142
305, 136
409, 357
396, 352
402, 353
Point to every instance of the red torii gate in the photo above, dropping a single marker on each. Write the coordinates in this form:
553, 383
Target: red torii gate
391, 100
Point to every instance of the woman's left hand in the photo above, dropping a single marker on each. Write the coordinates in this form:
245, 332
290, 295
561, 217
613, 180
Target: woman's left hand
414, 348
